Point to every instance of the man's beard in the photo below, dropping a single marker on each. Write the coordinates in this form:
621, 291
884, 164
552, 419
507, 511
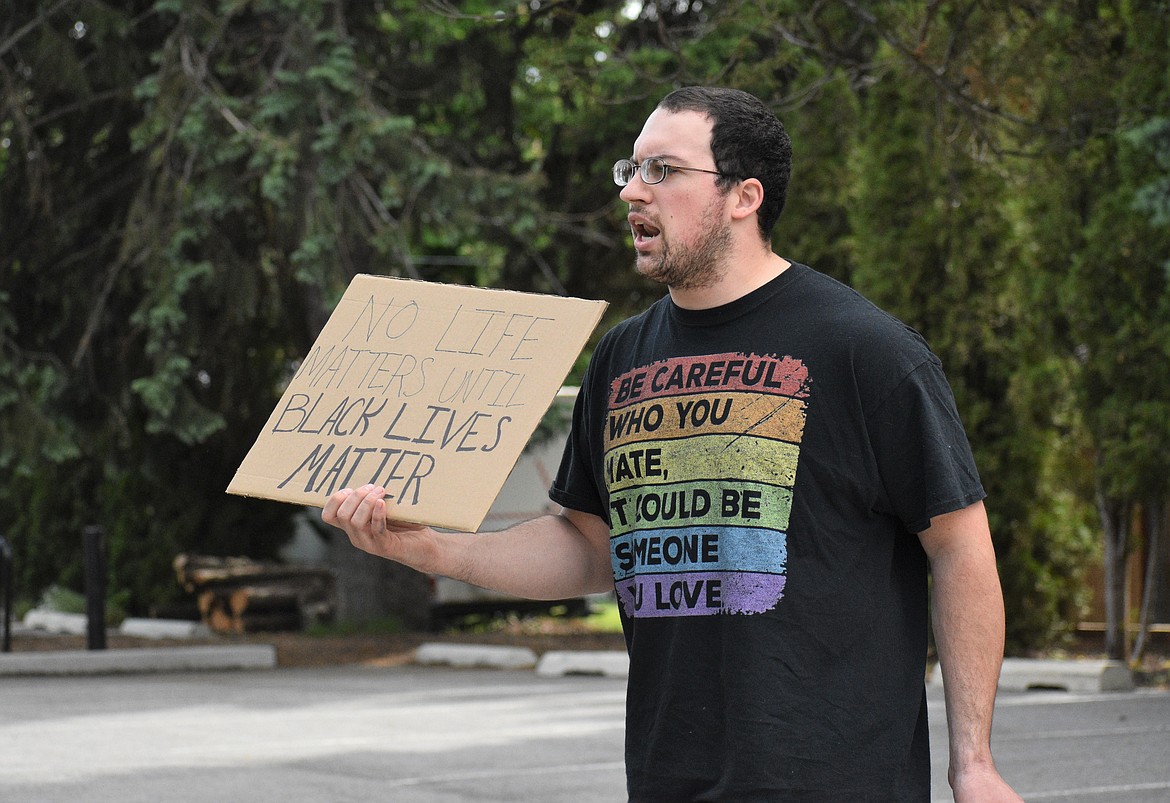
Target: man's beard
691, 268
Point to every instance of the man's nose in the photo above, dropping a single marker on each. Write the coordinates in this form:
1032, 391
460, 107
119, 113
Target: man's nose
635, 190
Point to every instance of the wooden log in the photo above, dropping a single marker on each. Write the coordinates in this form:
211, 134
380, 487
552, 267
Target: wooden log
262, 599
235, 595
198, 571
214, 611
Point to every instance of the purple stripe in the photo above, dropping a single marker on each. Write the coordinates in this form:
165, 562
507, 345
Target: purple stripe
700, 593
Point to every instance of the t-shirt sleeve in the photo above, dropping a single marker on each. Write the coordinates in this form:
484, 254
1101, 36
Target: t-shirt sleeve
575, 485
923, 455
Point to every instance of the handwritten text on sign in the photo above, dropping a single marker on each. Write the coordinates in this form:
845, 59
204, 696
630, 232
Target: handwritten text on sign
428, 390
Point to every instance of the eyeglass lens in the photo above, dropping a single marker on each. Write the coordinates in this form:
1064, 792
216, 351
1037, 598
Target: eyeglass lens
652, 170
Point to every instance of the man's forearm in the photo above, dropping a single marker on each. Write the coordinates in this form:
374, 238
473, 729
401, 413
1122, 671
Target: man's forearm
969, 626
969, 632
551, 557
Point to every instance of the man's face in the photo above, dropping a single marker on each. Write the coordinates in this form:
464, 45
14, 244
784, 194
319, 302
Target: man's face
682, 235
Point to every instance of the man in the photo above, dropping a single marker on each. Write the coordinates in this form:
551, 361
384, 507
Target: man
763, 465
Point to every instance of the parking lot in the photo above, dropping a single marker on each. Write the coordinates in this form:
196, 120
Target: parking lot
445, 735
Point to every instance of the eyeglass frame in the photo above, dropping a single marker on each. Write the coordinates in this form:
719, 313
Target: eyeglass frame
640, 169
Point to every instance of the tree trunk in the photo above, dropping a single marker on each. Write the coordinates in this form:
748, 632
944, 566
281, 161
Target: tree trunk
1115, 522
1155, 520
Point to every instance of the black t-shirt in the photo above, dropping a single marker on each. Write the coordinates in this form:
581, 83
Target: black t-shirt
764, 467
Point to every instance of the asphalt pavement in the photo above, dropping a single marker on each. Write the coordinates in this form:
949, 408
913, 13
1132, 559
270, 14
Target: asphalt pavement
444, 735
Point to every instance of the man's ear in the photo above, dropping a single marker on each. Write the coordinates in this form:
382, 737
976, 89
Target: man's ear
747, 198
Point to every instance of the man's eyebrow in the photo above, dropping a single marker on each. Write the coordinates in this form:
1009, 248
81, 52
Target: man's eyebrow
666, 157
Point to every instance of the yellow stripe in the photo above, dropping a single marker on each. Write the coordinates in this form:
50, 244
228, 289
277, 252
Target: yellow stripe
709, 457
763, 414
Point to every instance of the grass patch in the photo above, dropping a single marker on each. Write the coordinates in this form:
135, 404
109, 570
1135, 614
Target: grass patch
605, 618
602, 617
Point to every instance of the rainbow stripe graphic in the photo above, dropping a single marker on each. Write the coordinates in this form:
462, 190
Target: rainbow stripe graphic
700, 461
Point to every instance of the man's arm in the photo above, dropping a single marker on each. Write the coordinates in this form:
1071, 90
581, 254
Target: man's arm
551, 557
967, 610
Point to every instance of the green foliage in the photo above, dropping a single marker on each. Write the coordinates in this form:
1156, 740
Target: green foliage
604, 618
932, 242
1153, 198
186, 187
63, 600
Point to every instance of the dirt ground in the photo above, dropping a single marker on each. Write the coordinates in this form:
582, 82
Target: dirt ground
370, 648
539, 635
395, 649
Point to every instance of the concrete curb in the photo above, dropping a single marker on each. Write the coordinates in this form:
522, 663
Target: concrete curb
77, 624
557, 663
163, 628
1022, 674
606, 663
137, 660
1072, 675
475, 655
68, 624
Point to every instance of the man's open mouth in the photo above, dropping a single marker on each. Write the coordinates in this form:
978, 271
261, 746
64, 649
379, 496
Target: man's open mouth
642, 229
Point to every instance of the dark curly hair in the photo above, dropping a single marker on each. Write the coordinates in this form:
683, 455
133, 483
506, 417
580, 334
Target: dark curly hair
747, 141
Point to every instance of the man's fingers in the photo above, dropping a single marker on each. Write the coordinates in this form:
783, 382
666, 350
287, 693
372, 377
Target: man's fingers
350, 510
356, 508
363, 512
378, 516
329, 513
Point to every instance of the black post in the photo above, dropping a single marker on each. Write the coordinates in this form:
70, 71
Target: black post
94, 557
6, 601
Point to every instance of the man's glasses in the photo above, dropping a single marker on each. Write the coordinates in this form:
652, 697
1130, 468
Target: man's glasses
653, 171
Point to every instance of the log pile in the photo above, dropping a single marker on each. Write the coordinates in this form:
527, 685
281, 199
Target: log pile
241, 595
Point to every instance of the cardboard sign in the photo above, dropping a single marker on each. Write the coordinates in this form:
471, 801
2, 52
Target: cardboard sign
428, 390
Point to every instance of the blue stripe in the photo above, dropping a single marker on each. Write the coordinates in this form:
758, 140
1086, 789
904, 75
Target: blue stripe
698, 549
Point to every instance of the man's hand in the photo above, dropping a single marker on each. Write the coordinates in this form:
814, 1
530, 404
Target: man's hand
362, 514
982, 785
